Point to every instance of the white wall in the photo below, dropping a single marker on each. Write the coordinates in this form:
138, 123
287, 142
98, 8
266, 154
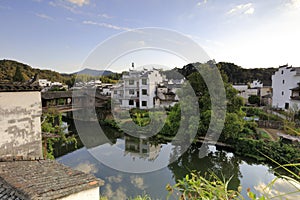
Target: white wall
92, 194
256, 84
282, 81
20, 126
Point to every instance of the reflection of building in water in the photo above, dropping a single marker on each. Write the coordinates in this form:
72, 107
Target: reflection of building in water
141, 148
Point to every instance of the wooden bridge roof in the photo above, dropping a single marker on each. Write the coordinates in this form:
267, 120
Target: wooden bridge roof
70, 94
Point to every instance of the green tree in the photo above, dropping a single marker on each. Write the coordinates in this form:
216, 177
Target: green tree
18, 76
254, 99
52, 124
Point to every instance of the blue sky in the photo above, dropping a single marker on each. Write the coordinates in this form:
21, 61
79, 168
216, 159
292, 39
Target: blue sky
60, 34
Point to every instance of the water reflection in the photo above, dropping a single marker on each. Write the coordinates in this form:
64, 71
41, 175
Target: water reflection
141, 148
134, 154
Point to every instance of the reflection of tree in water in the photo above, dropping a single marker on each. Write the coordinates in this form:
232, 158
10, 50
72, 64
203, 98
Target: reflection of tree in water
218, 162
91, 134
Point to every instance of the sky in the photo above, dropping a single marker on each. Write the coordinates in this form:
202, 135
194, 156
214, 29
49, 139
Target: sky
60, 34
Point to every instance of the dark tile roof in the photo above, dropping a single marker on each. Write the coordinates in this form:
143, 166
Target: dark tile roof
42, 179
57, 94
7, 192
10, 87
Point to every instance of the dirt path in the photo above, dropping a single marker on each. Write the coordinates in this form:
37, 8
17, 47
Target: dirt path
272, 133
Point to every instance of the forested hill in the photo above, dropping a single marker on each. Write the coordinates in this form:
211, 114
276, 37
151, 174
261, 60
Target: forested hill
8, 68
237, 74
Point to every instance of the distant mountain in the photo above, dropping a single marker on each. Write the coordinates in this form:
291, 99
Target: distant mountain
93, 72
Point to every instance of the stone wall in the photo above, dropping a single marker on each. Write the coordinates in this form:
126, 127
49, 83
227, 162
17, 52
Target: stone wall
270, 124
20, 125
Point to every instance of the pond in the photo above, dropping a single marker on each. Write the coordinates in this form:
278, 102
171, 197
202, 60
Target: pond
131, 166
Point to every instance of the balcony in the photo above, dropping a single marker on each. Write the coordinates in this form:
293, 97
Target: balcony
297, 98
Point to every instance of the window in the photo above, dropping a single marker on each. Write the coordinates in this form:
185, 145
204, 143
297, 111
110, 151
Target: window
131, 82
286, 105
131, 91
282, 72
131, 102
282, 93
144, 103
144, 81
115, 92
282, 81
144, 151
144, 92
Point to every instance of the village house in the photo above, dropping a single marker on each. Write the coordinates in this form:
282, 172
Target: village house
255, 88
137, 89
24, 173
145, 89
285, 86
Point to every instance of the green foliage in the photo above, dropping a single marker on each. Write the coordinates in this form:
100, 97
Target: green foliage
290, 128
254, 99
103, 79
234, 125
234, 102
52, 123
141, 197
194, 186
18, 76
263, 115
278, 151
9, 67
237, 74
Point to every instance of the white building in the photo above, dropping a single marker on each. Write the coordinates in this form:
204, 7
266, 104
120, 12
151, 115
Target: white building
24, 174
44, 83
285, 87
256, 84
245, 92
254, 88
137, 89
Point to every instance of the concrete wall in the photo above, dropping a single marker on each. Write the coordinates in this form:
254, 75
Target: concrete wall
20, 126
92, 194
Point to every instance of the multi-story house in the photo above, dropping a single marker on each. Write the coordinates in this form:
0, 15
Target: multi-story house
285, 86
137, 89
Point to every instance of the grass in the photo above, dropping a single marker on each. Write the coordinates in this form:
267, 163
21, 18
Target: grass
263, 134
197, 187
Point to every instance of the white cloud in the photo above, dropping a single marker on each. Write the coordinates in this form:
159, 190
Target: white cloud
138, 182
119, 193
287, 188
87, 167
250, 11
115, 179
106, 25
63, 5
202, 2
242, 8
43, 16
106, 16
79, 2
294, 4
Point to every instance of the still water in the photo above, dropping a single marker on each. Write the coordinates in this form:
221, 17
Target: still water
117, 160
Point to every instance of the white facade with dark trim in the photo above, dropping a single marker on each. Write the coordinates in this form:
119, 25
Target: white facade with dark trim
284, 85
